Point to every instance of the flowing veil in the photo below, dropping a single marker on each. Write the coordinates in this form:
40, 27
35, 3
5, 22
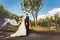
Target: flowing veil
11, 21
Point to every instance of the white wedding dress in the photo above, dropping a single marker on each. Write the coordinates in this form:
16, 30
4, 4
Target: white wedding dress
21, 29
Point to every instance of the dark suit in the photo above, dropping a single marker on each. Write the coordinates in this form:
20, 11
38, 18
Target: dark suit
27, 26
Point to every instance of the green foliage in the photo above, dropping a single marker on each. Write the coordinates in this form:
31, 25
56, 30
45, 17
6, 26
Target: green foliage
1, 8
32, 23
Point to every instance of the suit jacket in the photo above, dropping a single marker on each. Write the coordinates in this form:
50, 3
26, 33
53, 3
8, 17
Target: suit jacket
27, 20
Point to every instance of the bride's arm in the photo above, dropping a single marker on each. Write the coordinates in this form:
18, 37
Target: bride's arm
19, 22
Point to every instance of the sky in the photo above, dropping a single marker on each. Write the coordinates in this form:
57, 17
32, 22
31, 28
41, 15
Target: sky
14, 6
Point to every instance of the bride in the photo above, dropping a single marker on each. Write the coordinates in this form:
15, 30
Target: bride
21, 30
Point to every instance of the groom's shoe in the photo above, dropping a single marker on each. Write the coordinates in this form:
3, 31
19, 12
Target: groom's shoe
27, 35
22, 36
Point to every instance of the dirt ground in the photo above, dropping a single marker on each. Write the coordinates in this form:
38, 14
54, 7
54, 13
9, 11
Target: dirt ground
32, 36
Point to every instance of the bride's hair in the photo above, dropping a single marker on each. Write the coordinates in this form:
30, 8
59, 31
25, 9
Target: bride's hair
21, 16
26, 13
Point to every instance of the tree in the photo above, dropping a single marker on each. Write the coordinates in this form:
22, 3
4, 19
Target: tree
31, 22
56, 17
1, 9
33, 7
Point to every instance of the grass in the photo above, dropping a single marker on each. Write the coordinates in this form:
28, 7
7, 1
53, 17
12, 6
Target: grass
41, 29
13, 29
10, 29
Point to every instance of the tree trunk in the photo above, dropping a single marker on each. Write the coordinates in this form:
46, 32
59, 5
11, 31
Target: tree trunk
35, 18
35, 22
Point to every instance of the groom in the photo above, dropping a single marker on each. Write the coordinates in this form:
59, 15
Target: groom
27, 24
